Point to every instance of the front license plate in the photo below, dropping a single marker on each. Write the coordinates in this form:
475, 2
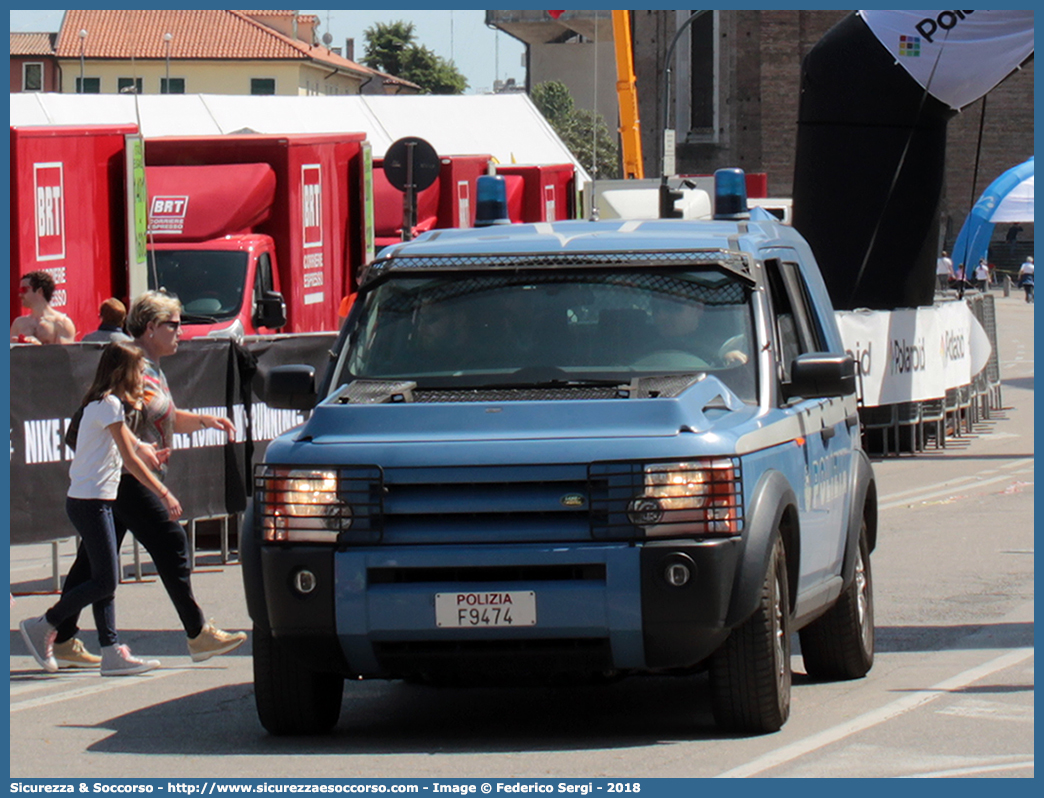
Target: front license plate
466, 610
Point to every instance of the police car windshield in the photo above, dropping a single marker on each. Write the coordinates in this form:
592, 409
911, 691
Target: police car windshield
460, 330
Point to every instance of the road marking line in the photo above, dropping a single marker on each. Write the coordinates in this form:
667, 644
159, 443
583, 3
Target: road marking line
865, 721
108, 684
42, 681
1017, 463
971, 771
949, 489
990, 710
1026, 461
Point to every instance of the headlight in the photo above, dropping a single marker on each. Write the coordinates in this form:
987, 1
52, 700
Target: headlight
301, 505
690, 498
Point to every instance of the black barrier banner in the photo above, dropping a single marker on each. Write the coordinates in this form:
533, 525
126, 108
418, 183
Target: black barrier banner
208, 473
47, 386
198, 376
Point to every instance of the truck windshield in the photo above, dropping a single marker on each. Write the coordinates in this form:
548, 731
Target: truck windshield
208, 282
553, 327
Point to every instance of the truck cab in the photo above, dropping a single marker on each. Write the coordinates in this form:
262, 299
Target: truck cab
579, 450
206, 248
228, 286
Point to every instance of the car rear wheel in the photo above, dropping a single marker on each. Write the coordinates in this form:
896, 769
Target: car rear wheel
750, 673
290, 698
840, 644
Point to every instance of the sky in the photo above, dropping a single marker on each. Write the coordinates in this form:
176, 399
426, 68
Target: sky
482, 54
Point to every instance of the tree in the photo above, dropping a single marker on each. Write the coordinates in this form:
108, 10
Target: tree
584, 132
434, 73
392, 47
554, 101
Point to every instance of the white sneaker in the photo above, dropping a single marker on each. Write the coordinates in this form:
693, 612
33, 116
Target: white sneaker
118, 661
39, 637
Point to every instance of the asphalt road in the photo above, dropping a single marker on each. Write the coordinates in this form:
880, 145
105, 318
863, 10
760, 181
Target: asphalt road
951, 692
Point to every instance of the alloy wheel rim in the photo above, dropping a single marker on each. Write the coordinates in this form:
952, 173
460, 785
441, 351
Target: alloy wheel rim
863, 600
779, 639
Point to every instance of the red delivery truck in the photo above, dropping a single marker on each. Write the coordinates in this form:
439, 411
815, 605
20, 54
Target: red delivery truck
458, 176
540, 192
448, 202
256, 233
68, 215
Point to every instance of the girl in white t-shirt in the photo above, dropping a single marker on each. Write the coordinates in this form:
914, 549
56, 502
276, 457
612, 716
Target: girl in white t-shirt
104, 446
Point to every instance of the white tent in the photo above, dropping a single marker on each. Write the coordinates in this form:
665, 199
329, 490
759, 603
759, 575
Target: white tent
506, 126
1009, 198
1017, 206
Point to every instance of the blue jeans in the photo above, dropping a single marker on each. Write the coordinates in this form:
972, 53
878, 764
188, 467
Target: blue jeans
94, 521
141, 510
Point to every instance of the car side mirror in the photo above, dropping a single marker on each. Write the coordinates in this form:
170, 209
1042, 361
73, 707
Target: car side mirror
820, 374
270, 310
290, 387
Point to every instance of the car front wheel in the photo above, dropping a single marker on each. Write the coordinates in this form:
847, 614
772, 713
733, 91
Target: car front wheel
290, 698
750, 673
840, 644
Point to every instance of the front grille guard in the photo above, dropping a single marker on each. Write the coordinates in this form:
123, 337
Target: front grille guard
612, 489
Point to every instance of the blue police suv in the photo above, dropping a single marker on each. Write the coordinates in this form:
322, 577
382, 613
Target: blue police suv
566, 451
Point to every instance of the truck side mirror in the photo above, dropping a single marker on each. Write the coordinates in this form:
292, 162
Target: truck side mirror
270, 310
290, 387
819, 375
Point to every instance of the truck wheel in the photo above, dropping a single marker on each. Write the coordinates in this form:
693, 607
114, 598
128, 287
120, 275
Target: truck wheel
290, 698
840, 644
750, 673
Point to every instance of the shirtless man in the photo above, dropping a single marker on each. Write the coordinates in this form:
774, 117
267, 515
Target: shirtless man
44, 324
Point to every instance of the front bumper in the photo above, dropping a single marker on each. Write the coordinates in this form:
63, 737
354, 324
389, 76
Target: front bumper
600, 607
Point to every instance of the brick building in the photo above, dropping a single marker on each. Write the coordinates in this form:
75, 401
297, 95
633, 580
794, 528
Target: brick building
34, 66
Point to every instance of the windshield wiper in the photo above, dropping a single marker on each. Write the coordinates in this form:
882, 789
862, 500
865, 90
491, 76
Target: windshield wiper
565, 383
194, 318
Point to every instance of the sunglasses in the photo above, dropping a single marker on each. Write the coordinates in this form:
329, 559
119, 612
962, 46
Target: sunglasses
24, 289
174, 325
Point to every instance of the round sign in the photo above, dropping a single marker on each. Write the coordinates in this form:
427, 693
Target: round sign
425, 166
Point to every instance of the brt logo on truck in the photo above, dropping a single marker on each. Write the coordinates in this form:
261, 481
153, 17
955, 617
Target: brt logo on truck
312, 204
167, 215
49, 196
463, 204
549, 203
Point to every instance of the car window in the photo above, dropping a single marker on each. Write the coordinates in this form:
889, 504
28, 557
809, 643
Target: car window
464, 329
797, 328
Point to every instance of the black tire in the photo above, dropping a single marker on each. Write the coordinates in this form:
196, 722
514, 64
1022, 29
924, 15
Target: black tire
840, 644
290, 698
750, 674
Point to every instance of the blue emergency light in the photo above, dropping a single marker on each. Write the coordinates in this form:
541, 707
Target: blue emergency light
730, 194
491, 201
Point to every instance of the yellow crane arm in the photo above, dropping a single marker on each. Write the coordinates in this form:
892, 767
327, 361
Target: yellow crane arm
627, 95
